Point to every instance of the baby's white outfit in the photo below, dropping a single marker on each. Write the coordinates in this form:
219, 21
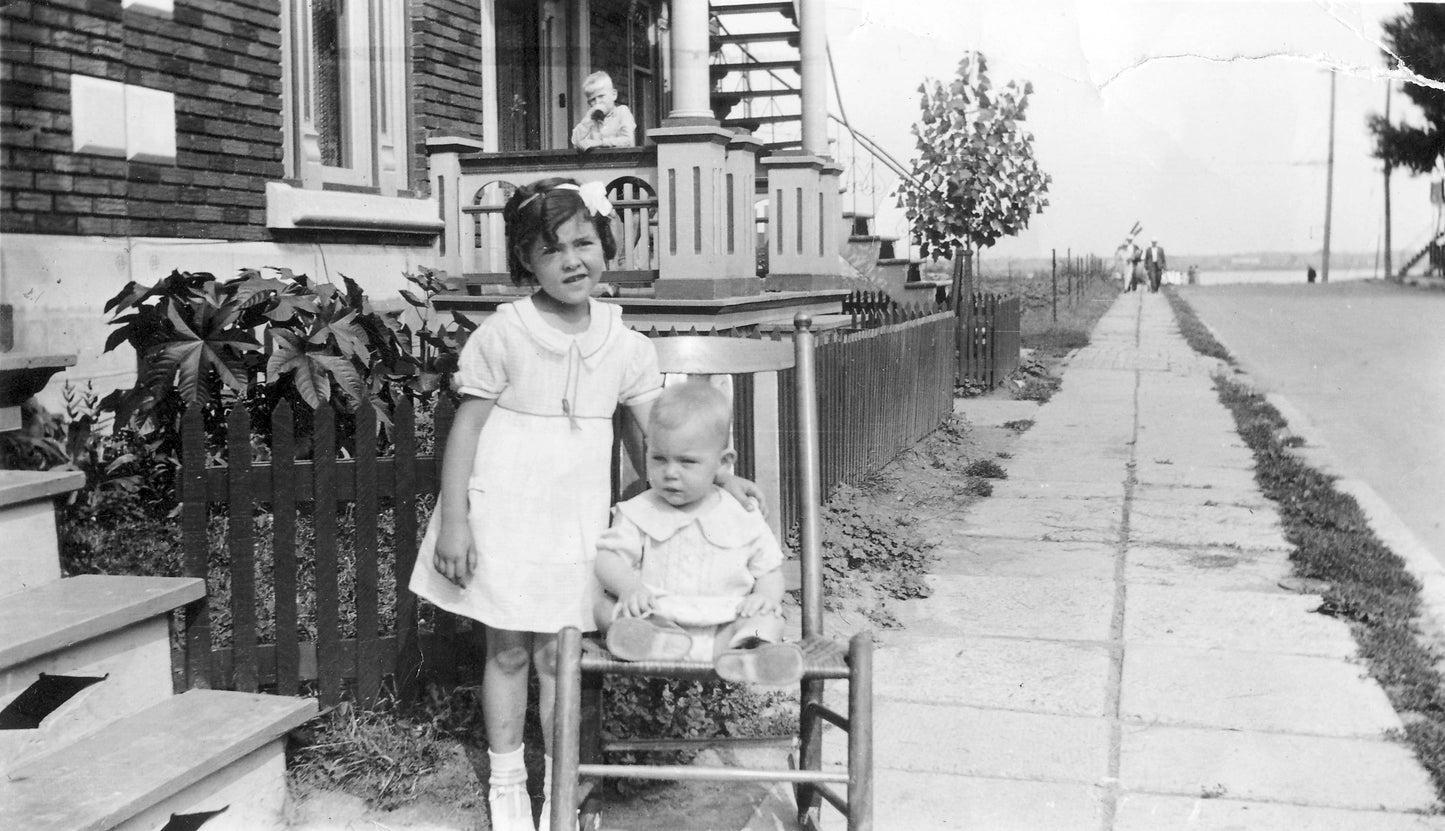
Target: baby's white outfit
701, 564
541, 477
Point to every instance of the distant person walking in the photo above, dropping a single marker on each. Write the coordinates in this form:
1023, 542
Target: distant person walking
1309, 274
1133, 256
1154, 263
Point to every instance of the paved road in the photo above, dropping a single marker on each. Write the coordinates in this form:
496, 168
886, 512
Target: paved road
1365, 363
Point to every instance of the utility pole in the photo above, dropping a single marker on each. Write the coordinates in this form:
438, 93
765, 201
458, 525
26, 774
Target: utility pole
1389, 271
1329, 185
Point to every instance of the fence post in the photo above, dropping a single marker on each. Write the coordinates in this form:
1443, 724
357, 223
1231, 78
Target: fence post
327, 587
408, 647
1054, 278
241, 543
368, 655
283, 546
194, 513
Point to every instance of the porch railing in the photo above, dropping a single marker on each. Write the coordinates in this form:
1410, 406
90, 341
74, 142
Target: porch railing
482, 183
312, 577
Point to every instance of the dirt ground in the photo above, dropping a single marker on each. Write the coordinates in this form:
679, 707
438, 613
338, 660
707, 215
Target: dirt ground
924, 485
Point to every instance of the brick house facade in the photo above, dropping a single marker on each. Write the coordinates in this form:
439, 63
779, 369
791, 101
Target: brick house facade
141, 136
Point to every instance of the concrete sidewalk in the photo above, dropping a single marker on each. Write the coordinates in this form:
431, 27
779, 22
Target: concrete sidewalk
1108, 645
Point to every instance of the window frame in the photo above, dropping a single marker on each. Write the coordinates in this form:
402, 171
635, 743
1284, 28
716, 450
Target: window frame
372, 97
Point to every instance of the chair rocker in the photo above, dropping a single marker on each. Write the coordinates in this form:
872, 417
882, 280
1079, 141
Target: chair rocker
579, 742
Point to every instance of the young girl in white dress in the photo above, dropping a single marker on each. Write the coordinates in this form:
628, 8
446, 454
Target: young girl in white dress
526, 476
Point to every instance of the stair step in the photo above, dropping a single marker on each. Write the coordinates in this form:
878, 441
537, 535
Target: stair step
789, 37
735, 96
196, 751
782, 7
114, 628
66, 612
743, 121
27, 512
720, 69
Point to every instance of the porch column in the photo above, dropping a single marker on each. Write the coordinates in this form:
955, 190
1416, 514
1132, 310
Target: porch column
445, 171
691, 85
694, 260
813, 46
803, 222
740, 236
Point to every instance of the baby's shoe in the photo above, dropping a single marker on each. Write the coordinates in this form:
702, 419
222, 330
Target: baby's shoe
511, 807
644, 639
761, 663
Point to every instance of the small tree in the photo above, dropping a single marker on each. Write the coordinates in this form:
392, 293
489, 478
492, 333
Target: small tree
1415, 40
975, 179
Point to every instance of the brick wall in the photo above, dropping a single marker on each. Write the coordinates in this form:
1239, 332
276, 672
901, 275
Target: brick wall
446, 81
223, 64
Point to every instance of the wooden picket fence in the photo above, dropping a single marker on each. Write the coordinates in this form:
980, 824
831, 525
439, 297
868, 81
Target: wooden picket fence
988, 339
335, 524
988, 332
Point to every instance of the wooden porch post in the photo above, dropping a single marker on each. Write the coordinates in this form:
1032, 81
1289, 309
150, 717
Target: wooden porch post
692, 168
804, 214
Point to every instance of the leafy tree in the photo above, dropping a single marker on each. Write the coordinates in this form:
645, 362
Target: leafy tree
1415, 40
975, 179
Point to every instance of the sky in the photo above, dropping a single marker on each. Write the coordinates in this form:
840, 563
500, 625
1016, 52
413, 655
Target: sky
1208, 123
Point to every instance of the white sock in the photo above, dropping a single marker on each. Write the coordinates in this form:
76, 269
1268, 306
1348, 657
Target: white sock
508, 768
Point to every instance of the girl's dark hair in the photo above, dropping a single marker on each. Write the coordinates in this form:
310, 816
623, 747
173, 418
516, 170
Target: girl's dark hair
537, 210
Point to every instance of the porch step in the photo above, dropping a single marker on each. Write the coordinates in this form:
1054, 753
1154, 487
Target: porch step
27, 512
200, 751
96, 626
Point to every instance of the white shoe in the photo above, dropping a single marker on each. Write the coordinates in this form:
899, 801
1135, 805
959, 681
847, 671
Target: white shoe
511, 808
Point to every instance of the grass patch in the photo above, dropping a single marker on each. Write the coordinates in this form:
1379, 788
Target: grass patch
1369, 585
1195, 332
1040, 329
391, 752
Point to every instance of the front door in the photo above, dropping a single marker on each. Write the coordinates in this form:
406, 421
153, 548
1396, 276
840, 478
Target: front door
519, 101
554, 42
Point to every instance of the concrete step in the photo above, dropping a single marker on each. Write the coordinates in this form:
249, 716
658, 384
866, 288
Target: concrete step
204, 750
27, 512
92, 625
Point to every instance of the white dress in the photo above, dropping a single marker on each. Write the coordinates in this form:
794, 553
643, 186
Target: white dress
541, 480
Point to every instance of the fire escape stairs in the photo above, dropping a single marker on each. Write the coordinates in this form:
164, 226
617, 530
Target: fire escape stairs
725, 101
1421, 254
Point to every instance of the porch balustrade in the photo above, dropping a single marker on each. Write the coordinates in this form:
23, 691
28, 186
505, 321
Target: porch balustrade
473, 187
689, 218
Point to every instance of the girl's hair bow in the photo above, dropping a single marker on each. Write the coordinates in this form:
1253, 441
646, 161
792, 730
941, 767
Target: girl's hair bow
594, 197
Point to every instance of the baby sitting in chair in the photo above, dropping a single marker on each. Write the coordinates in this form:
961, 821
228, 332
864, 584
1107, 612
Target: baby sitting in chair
688, 570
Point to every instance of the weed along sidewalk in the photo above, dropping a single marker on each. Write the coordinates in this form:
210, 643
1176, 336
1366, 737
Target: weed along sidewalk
1109, 643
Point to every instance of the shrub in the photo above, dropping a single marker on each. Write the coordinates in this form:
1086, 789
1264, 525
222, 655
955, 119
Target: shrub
257, 340
865, 545
986, 469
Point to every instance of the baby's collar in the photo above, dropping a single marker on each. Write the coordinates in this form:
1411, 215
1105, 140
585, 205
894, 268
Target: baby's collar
726, 523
